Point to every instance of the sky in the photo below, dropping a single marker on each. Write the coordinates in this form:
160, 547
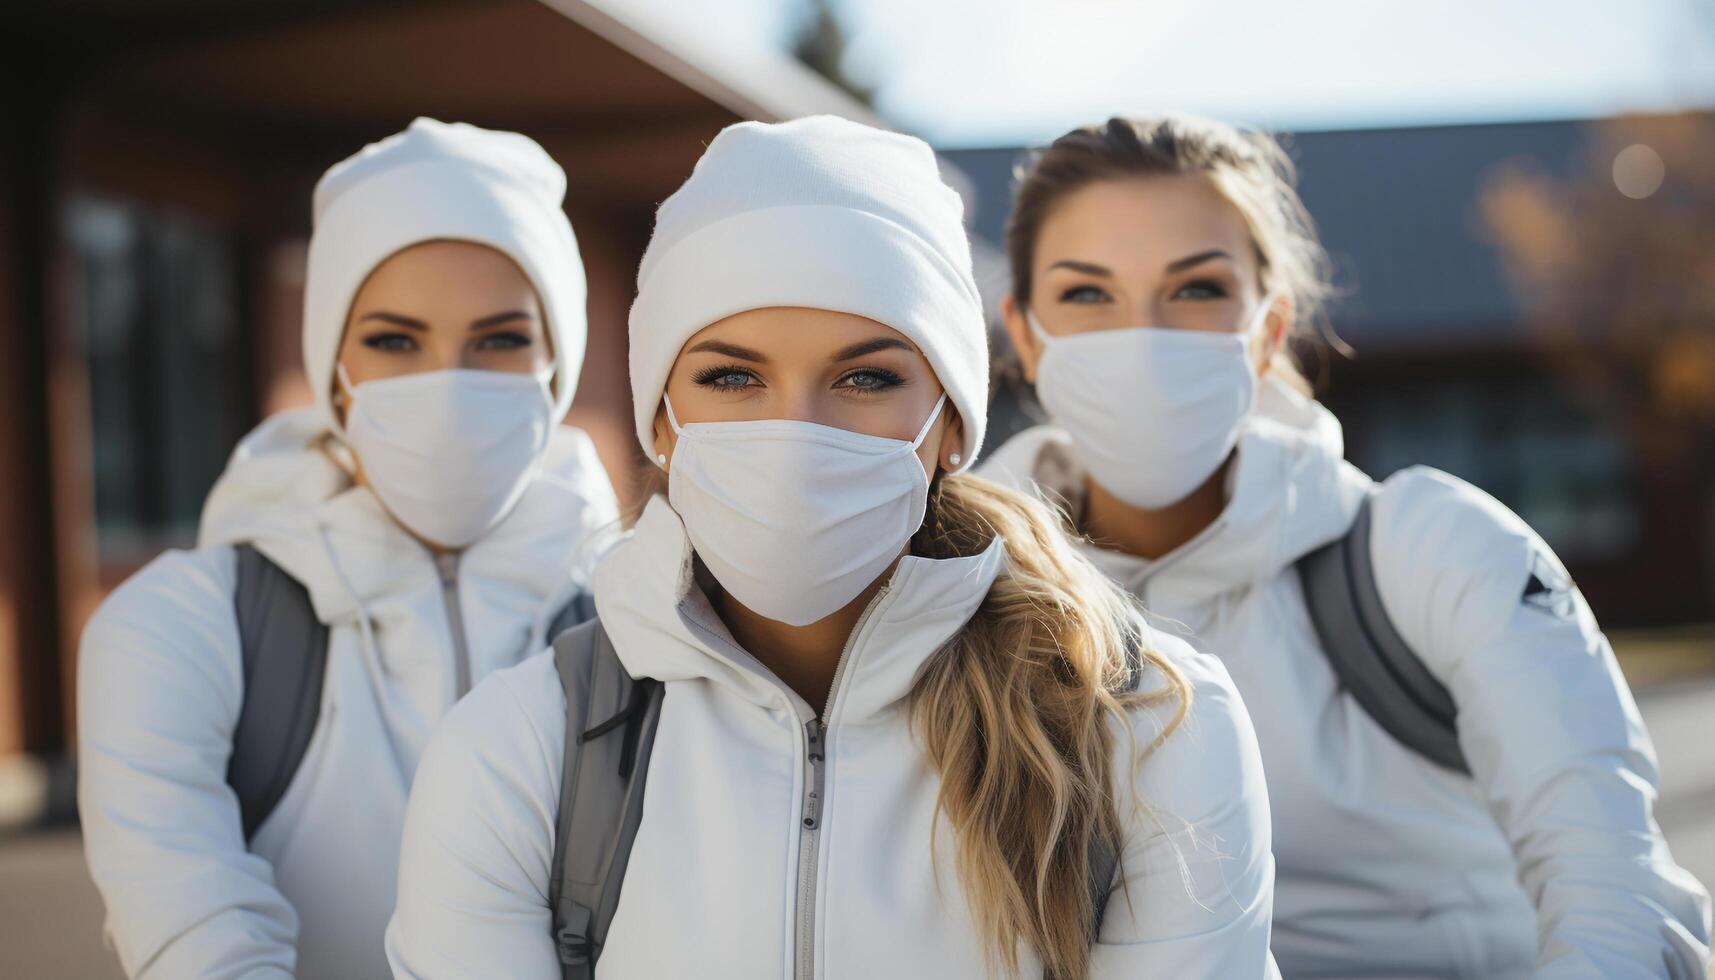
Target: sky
1005, 72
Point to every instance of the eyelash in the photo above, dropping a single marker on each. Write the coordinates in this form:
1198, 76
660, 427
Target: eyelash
504, 340
889, 381
711, 377
395, 342
1215, 289
390, 342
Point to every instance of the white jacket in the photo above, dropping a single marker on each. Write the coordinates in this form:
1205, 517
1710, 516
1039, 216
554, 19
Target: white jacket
724, 879
161, 684
1548, 862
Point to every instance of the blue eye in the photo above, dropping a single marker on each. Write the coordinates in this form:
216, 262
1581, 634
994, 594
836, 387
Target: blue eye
1201, 289
390, 342
504, 340
725, 378
1084, 294
870, 380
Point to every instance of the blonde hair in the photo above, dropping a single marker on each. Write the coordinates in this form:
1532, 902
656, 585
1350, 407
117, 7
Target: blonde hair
1017, 711
1251, 171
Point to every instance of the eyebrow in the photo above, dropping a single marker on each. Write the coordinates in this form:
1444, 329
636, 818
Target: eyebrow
1177, 265
495, 319
870, 347
1088, 268
1198, 259
397, 319
730, 350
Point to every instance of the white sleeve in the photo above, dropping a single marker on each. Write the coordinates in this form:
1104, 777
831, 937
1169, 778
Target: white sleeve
160, 683
479, 836
1197, 898
1548, 725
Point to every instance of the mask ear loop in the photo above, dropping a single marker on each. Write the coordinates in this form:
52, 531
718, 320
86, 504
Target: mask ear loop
1036, 327
929, 423
673, 421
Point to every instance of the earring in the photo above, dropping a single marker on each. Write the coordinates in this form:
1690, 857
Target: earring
661, 459
954, 459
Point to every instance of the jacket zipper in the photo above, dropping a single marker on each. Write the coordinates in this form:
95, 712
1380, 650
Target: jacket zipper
810, 821
447, 563
1139, 583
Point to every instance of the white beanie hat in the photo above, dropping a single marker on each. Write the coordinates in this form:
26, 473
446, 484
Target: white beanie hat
434, 181
822, 213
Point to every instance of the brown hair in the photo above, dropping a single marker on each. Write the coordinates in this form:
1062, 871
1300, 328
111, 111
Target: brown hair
1250, 169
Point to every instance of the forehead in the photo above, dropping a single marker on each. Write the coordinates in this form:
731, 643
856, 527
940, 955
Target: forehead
447, 267
784, 331
1142, 220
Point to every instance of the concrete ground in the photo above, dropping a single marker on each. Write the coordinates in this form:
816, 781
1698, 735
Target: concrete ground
50, 916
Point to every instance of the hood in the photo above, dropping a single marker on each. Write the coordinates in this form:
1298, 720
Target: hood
1290, 491
651, 602
287, 490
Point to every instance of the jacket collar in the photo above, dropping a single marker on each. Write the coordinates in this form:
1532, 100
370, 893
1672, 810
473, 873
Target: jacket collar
651, 601
1289, 492
288, 491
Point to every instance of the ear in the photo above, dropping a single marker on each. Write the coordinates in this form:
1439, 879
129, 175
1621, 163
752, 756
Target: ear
1276, 327
664, 440
1024, 341
952, 440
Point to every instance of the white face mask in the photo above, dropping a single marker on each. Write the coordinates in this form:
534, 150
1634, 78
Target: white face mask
1153, 411
795, 519
449, 452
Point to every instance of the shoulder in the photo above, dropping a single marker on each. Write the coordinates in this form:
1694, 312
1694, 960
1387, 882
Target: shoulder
1209, 760
182, 599
1443, 548
164, 645
511, 725
1423, 506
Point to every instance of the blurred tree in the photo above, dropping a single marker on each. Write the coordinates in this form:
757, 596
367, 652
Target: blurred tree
1615, 267
822, 46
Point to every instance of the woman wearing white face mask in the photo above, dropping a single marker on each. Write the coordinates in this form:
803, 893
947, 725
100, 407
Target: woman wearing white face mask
1158, 267
252, 711
900, 720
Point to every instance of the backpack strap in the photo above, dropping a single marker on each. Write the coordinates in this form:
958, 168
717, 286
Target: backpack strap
601, 790
284, 650
580, 608
1369, 657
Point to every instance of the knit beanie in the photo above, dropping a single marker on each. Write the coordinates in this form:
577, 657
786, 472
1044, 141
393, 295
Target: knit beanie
434, 181
822, 213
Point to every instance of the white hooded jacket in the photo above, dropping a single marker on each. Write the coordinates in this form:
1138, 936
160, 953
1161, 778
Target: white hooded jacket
725, 881
161, 682
1547, 862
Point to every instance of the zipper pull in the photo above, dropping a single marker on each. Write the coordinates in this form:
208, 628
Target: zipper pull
813, 799
447, 563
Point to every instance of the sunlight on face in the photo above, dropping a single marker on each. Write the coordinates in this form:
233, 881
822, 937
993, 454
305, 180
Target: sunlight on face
443, 305
834, 369
1169, 252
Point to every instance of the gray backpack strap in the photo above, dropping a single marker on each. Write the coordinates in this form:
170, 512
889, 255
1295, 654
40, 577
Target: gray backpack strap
1370, 659
601, 790
580, 608
284, 650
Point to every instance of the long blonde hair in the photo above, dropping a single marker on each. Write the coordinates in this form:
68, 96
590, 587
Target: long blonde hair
1017, 713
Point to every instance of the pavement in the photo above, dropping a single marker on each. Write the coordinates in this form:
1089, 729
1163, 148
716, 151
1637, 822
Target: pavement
50, 915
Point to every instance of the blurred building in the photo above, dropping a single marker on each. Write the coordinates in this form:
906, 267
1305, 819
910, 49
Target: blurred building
1454, 370
155, 178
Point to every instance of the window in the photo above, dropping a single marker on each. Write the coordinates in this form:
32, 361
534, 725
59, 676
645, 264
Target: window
155, 306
